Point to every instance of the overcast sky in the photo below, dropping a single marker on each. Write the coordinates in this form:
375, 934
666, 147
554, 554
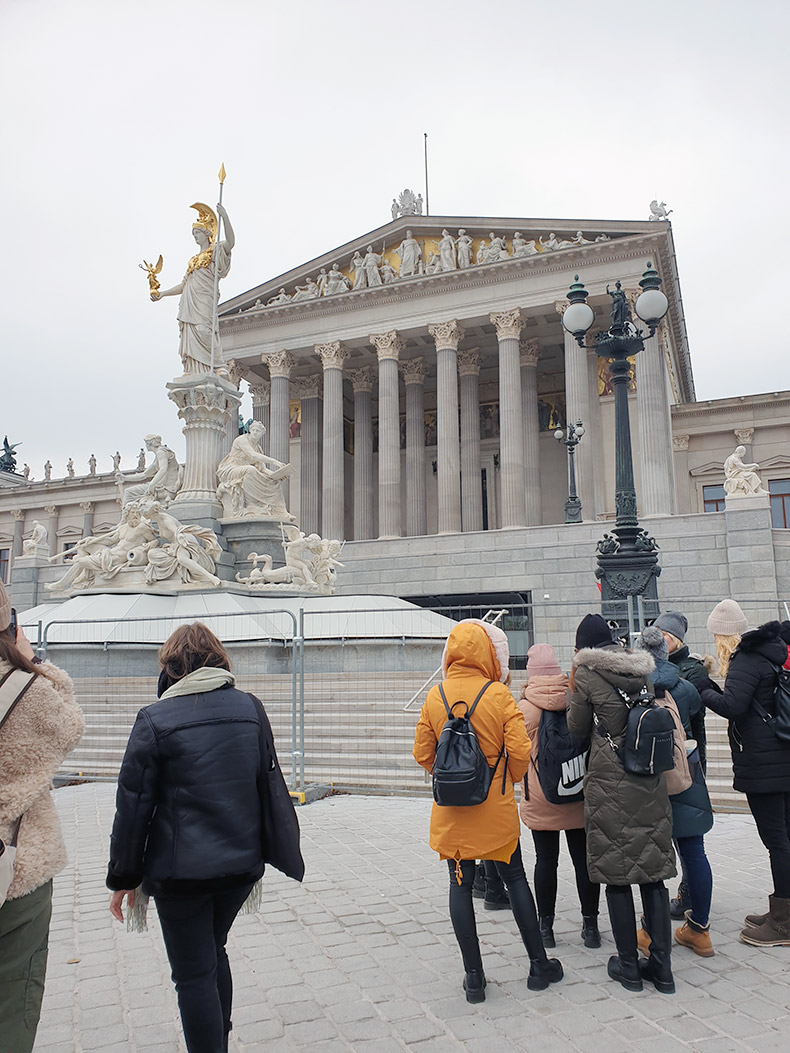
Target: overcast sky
116, 117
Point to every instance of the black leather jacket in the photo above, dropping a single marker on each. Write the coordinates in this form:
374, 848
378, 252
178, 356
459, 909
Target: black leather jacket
188, 813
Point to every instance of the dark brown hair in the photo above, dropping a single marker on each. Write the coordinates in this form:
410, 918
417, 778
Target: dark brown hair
9, 652
189, 648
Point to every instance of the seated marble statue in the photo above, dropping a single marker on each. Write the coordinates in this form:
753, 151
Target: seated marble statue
37, 542
99, 559
161, 480
250, 483
741, 480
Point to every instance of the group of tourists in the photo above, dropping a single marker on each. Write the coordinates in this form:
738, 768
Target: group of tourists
625, 819
202, 806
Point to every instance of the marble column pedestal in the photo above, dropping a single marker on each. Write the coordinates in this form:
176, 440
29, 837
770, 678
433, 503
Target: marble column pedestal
206, 402
244, 536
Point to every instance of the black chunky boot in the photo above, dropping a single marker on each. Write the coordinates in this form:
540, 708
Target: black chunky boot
475, 986
658, 967
623, 966
682, 902
591, 935
542, 970
547, 931
496, 899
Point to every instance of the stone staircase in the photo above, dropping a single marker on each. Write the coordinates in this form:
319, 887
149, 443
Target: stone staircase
356, 735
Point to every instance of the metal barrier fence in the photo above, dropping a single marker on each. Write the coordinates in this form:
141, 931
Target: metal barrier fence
342, 687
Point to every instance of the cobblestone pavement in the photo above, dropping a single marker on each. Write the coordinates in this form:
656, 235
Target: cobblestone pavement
362, 957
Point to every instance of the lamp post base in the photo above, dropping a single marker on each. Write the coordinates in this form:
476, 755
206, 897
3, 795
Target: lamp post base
573, 510
628, 570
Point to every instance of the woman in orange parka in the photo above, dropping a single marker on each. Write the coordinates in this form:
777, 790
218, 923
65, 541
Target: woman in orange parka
475, 653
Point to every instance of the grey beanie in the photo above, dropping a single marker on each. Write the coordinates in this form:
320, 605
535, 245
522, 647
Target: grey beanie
652, 640
674, 623
727, 619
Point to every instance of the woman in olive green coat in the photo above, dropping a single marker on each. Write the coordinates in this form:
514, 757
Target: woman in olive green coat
628, 817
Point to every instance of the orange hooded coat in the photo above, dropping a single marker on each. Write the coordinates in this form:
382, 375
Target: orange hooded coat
489, 830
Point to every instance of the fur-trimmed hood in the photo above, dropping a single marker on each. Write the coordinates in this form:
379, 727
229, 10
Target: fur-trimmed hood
468, 651
765, 640
615, 660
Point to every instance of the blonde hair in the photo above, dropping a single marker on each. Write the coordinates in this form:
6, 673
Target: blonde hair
725, 648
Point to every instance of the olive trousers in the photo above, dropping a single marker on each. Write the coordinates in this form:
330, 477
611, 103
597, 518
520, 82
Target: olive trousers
24, 939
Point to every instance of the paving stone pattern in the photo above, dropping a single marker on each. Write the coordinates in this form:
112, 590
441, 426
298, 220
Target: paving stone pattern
362, 957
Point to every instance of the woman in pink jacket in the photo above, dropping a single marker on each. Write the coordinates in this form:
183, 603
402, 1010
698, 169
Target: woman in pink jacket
546, 691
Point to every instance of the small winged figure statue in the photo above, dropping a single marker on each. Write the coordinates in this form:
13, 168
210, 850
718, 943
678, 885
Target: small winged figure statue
152, 269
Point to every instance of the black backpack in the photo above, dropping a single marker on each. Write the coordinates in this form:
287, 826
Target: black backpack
780, 721
461, 773
649, 744
562, 759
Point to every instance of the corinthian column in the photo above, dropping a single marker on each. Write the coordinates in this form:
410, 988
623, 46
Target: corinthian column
448, 336
362, 382
333, 511
18, 516
529, 355
511, 426
261, 391
308, 391
413, 373
657, 492
388, 348
88, 508
471, 486
578, 407
280, 364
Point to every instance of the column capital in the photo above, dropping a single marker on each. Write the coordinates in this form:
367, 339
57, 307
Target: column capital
680, 443
307, 387
236, 372
51, 510
743, 435
413, 371
17, 514
448, 335
362, 379
261, 392
561, 306
469, 362
632, 295
280, 363
387, 345
529, 352
508, 323
332, 355
87, 506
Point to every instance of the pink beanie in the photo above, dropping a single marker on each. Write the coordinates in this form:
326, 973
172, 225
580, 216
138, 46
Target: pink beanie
542, 661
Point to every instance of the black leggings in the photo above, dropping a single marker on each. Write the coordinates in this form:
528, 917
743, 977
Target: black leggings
462, 911
771, 813
547, 855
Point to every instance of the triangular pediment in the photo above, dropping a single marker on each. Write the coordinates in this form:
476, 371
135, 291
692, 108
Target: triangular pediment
709, 468
476, 242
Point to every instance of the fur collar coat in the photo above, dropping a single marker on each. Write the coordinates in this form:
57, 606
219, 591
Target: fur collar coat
43, 728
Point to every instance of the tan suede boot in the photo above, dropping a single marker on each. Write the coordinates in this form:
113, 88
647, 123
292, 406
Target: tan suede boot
775, 930
643, 940
697, 937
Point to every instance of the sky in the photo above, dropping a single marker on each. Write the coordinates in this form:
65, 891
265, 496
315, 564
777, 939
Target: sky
116, 117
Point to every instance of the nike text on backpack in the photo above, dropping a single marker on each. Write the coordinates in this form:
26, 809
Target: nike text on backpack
561, 759
649, 744
461, 774
780, 721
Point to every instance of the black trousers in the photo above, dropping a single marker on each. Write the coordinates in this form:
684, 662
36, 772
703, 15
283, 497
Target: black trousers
462, 911
771, 813
195, 930
547, 857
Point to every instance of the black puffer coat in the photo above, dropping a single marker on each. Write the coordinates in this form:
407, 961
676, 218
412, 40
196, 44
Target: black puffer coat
760, 760
188, 812
627, 817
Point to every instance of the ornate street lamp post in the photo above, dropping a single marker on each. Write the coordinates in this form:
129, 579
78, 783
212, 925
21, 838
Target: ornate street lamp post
627, 558
573, 506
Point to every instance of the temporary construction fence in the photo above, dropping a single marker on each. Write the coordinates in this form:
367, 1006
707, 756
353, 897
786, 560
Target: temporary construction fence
342, 687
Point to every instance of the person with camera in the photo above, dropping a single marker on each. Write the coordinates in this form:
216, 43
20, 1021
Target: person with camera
40, 723
476, 673
627, 816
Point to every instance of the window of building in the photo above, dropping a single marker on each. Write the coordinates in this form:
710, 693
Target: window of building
713, 498
5, 554
68, 549
517, 622
780, 503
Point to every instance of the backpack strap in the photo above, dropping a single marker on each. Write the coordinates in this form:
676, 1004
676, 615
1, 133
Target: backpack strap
480, 694
12, 687
444, 699
759, 708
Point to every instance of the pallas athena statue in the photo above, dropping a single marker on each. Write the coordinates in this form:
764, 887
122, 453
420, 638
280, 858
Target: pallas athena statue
199, 290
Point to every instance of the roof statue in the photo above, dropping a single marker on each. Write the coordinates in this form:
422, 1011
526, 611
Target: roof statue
658, 210
741, 479
7, 457
407, 204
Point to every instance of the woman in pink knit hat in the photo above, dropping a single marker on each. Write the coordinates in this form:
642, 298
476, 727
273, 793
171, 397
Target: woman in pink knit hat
546, 692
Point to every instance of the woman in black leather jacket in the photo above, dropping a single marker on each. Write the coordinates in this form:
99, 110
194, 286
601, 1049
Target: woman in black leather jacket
188, 822
761, 765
